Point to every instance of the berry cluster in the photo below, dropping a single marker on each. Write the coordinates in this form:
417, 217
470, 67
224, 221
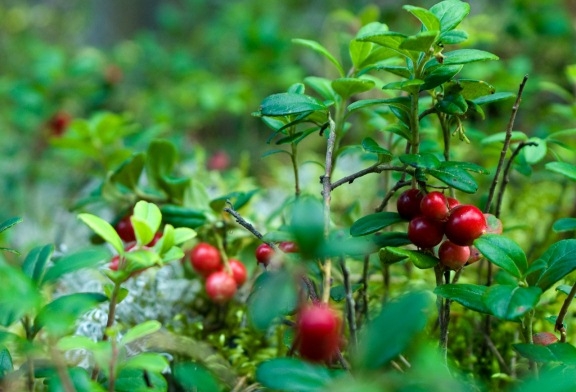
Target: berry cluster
265, 252
434, 216
220, 284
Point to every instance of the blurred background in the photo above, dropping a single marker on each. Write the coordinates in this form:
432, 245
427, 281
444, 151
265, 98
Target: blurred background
193, 71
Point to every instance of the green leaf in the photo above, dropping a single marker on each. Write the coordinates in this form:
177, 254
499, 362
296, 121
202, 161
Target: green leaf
428, 19
383, 340
307, 225
146, 220
564, 224
18, 294
284, 104
471, 89
468, 295
453, 37
135, 380
402, 103
391, 254
6, 364
273, 295
152, 362
141, 330
493, 98
534, 154
504, 253
76, 342
60, 315
128, 173
499, 137
511, 302
322, 86
450, 13
388, 39
80, 380
370, 145
439, 75
104, 230
161, 157
192, 377
359, 52
138, 260
455, 176
464, 56
88, 258
8, 223
556, 352
35, 262
374, 222
411, 86
564, 168
422, 161
453, 104
338, 293
421, 42
292, 374
392, 238
555, 264
322, 50
347, 87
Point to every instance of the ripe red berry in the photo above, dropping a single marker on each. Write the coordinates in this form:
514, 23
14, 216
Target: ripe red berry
435, 206
239, 272
220, 286
264, 253
425, 232
408, 204
114, 263
453, 256
205, 259
465, 224
452, 202
288, 247
544, 338
58, 123
219, 161
125, 229
154, 240
318, 332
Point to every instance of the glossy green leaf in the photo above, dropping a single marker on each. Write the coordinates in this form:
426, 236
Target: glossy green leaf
388, 39
383, 340
499, 137
273, 295
18, 294
391, 238
421, 42
391, 255
455, 176
452, 104
468, 295
88, 258
60, 315
399, 102
35, 262
564, 224
374, 222
428, 19
132, 380
453, 37
422, 161
370, 145
556, 352
292, 374
141, 330
564, 168
450, 13
322, 50
555, 264
534, 154
493, 98
104, 230
161, 157
465, 56
80, 380
8, 223
191, 377
152, 362
284, 104
439, 75
128, 173
472, 89
322, 86
76, 342
138, 260
504, 253
347, 87
411, 86
146, 221
398, 70
511, 302
307, 225
359, 52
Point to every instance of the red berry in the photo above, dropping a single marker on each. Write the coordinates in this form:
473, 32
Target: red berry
219, 161
475, 255
435, 206
264, 253
453, 256
288, 247
425, 232
318, 332
205, 259
493, 224
125, 229
154, 240
408, 204
544, 338
58, 123
465, 224
114, 263
220, 286
452, 202
238, 271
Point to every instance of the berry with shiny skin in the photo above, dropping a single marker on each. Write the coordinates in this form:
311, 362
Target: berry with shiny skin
453, 256
435, 206
239, 272
465, 224
544, 338
318, 332
425, 232
220, 287
288, 247
264, 253
452, 202
205, 259
125, 229
408, 203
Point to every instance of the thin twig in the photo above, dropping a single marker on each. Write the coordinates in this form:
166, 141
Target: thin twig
400, 184
506, 145
242, 222
377, 168
506, 175
562, 314
497, 354
350, 306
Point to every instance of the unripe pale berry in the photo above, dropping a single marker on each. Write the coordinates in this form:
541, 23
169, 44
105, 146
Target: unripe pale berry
544, 338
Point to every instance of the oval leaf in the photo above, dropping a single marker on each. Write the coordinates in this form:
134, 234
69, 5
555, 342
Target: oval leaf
504, 253
564, 168
274, 295
284, 104
192, 377
322, 50
557, 262
467, 295
390, 255
291, 374
140, 331
564, 224
374, 222
104, 230
511, 302
347, 87
36, 260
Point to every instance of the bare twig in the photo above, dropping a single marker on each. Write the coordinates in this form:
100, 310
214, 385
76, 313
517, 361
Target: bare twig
377, 168
506, 145
562, 314
242, 222
497, 354
400, 184
350, 306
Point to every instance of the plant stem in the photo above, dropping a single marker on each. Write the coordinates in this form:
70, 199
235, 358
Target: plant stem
350, 305
112, 366
506, 145
377, 168
61, 369
562, 314
400, 184
294, 159
414, 122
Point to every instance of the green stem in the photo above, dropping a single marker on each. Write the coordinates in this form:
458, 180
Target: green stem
414, 122
294, 158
